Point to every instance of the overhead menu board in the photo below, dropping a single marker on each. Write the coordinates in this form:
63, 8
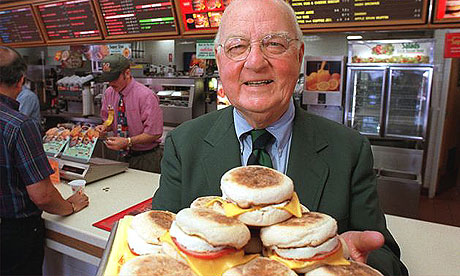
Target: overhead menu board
137, 18
68, 20
201, 16
345, 13
18, 26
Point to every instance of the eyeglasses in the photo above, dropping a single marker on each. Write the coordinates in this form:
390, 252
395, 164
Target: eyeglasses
272, 45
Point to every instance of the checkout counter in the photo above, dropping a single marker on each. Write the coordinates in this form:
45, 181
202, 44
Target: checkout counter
75, 247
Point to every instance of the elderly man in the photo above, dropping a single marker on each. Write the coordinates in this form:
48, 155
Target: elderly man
25, 185
259, 53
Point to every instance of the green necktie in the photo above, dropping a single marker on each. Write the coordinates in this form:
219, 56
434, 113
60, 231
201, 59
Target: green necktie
260, 140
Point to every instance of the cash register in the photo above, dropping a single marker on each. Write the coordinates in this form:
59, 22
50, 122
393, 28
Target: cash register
95, 169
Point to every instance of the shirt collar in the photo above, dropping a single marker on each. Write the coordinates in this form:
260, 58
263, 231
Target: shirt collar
12, 103
128, 88
280, 129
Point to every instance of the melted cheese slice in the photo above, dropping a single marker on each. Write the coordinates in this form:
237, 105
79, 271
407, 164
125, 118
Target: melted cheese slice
335, 259
212, 267
232, 210
120, 252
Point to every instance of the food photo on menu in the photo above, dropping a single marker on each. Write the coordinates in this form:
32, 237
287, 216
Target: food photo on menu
224, 236
452, 8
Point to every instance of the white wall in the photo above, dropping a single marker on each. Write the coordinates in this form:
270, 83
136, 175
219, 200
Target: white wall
157, 52
437, 110
326, 44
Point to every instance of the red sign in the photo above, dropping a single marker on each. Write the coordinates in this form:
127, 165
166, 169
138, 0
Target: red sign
452, 45
441, 9
55, 179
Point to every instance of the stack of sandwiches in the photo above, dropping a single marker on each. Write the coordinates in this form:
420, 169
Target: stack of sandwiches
257, 227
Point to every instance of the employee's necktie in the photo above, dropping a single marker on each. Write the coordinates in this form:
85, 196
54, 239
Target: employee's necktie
122, 122
261, 139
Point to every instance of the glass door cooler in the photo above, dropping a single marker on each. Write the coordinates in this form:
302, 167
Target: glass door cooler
407, 102
365, 99
387, 99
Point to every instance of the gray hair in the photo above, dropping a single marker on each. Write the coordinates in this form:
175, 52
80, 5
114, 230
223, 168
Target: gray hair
283, 3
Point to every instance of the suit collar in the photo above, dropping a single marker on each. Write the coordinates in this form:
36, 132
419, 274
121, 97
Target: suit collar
222, 152
221, 127
306, 167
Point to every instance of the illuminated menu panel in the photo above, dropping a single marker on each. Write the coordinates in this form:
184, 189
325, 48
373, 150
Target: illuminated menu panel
356, 12
202, 14
69, 20
131, 17
18, 26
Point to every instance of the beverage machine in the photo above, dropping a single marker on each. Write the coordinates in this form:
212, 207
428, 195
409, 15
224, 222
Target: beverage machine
387, 99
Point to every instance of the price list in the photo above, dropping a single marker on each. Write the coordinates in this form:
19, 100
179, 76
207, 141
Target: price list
69, 20
131, 17
18, 26
357, 12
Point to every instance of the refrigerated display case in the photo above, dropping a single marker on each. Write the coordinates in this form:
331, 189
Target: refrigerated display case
387, 99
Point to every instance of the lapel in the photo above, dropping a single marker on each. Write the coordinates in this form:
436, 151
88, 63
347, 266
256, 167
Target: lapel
306, 167
221, 151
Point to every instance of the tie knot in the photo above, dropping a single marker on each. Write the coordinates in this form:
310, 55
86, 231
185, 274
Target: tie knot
261, 138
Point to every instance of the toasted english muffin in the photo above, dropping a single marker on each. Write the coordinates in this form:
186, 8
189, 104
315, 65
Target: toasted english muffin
146, 229
354, 269
155, 265
260, 266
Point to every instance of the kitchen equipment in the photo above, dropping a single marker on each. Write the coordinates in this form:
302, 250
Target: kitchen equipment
181, 99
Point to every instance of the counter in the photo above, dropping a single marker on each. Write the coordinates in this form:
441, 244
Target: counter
74, 235
427, 248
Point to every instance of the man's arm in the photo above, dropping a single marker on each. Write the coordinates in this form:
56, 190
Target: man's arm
47, 198
120, 143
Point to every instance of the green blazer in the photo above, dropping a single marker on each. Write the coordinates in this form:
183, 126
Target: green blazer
330, 164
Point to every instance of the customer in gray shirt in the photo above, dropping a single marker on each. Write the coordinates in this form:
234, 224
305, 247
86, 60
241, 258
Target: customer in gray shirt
29, 104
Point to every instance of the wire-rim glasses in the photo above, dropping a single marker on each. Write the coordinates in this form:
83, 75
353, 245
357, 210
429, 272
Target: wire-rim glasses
272, 45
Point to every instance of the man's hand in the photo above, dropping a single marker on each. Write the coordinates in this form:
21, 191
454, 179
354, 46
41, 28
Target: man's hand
101, 128
360, 244
116, 143
80, 201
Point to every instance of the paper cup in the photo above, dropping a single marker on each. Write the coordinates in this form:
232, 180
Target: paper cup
77, 185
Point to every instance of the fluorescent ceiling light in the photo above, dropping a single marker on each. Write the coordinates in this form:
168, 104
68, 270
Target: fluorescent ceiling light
351, 37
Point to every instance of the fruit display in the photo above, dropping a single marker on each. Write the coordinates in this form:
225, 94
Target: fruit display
323, 80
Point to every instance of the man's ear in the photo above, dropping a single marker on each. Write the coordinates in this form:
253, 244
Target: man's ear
127, 73
301, 52
21, 82
216, 54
